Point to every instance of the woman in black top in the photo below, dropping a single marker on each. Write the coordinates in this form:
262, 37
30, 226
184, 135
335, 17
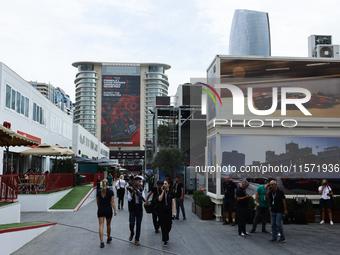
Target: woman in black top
104, 201
167, 200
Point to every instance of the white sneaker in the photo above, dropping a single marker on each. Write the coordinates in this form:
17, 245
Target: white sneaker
331, 222
322, 222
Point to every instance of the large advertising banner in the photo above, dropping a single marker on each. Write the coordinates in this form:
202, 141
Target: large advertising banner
120, 122
297, 163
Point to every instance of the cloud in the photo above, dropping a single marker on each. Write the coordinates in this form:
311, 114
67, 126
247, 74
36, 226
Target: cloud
41, 39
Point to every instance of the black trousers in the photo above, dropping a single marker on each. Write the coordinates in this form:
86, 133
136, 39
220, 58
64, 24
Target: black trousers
165, 220
242, 219
155, 220
121, 193
179, 204
260, 211
136, 217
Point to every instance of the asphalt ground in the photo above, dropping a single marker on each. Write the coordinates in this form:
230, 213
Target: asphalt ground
77, 233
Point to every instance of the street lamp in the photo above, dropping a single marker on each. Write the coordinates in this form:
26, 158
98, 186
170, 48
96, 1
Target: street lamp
144, 159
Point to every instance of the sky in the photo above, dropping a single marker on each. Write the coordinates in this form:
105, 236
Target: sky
41, 39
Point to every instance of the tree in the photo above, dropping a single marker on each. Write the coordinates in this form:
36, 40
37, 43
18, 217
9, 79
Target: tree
65, 165
163, 133
169, 160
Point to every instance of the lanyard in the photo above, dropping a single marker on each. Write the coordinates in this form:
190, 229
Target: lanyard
274, 194
166, 198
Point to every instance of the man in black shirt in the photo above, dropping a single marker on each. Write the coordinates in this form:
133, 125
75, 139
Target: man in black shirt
242, 206
156, 191
277, 201
179, 194
229, 188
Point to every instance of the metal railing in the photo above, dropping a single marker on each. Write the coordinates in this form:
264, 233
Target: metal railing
36, 183
8, 187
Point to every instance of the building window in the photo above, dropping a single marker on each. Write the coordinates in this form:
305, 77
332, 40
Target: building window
22, 106
67, 131
39, 114
156, 69
26, 106
55, 124
13, 100
8, 96
16, 101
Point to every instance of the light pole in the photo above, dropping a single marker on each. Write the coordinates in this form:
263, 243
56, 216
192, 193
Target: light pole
144, 159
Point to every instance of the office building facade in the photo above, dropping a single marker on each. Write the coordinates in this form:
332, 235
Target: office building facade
250, 34
114, 101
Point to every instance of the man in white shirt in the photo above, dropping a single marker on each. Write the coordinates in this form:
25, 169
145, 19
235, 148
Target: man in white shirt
120, 187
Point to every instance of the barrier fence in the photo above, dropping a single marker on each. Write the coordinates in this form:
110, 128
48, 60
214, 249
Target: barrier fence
9, 185
36, 183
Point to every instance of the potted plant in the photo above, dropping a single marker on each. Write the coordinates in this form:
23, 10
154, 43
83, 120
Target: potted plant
309, 213
203, 207
335, 210
291, 208
196, 194
251, 210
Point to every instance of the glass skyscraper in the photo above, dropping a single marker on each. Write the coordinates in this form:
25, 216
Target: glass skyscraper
250, 34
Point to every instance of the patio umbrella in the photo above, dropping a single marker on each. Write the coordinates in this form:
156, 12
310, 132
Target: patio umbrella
64, 150
105, 162
10, 138
84, 160
46, 150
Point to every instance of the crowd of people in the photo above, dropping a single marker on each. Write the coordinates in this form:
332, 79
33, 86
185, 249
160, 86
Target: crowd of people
166, 201
269, 199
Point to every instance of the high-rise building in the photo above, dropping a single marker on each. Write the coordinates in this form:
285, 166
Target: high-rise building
46, 89
63, 102
56, 95
250, 33
114, 101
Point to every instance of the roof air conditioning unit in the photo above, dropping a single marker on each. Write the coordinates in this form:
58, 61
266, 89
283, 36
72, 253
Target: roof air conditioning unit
327, 51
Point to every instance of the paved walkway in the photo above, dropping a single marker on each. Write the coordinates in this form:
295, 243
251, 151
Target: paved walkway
77, 233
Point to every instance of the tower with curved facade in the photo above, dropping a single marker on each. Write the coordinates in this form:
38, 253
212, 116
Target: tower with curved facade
114, 101
250, 33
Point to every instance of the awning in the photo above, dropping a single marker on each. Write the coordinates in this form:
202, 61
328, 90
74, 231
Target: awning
10, 138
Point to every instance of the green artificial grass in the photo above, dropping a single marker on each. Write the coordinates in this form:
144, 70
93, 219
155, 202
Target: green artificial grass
18, 225
73, 198
6, 203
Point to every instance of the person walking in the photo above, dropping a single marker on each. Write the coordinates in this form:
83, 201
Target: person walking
135, 209
105, 202
277, 201
179, 195
261, 207
156, 191
229, 188
167, 200
110, 180
325, 193
242, 206
120, 187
